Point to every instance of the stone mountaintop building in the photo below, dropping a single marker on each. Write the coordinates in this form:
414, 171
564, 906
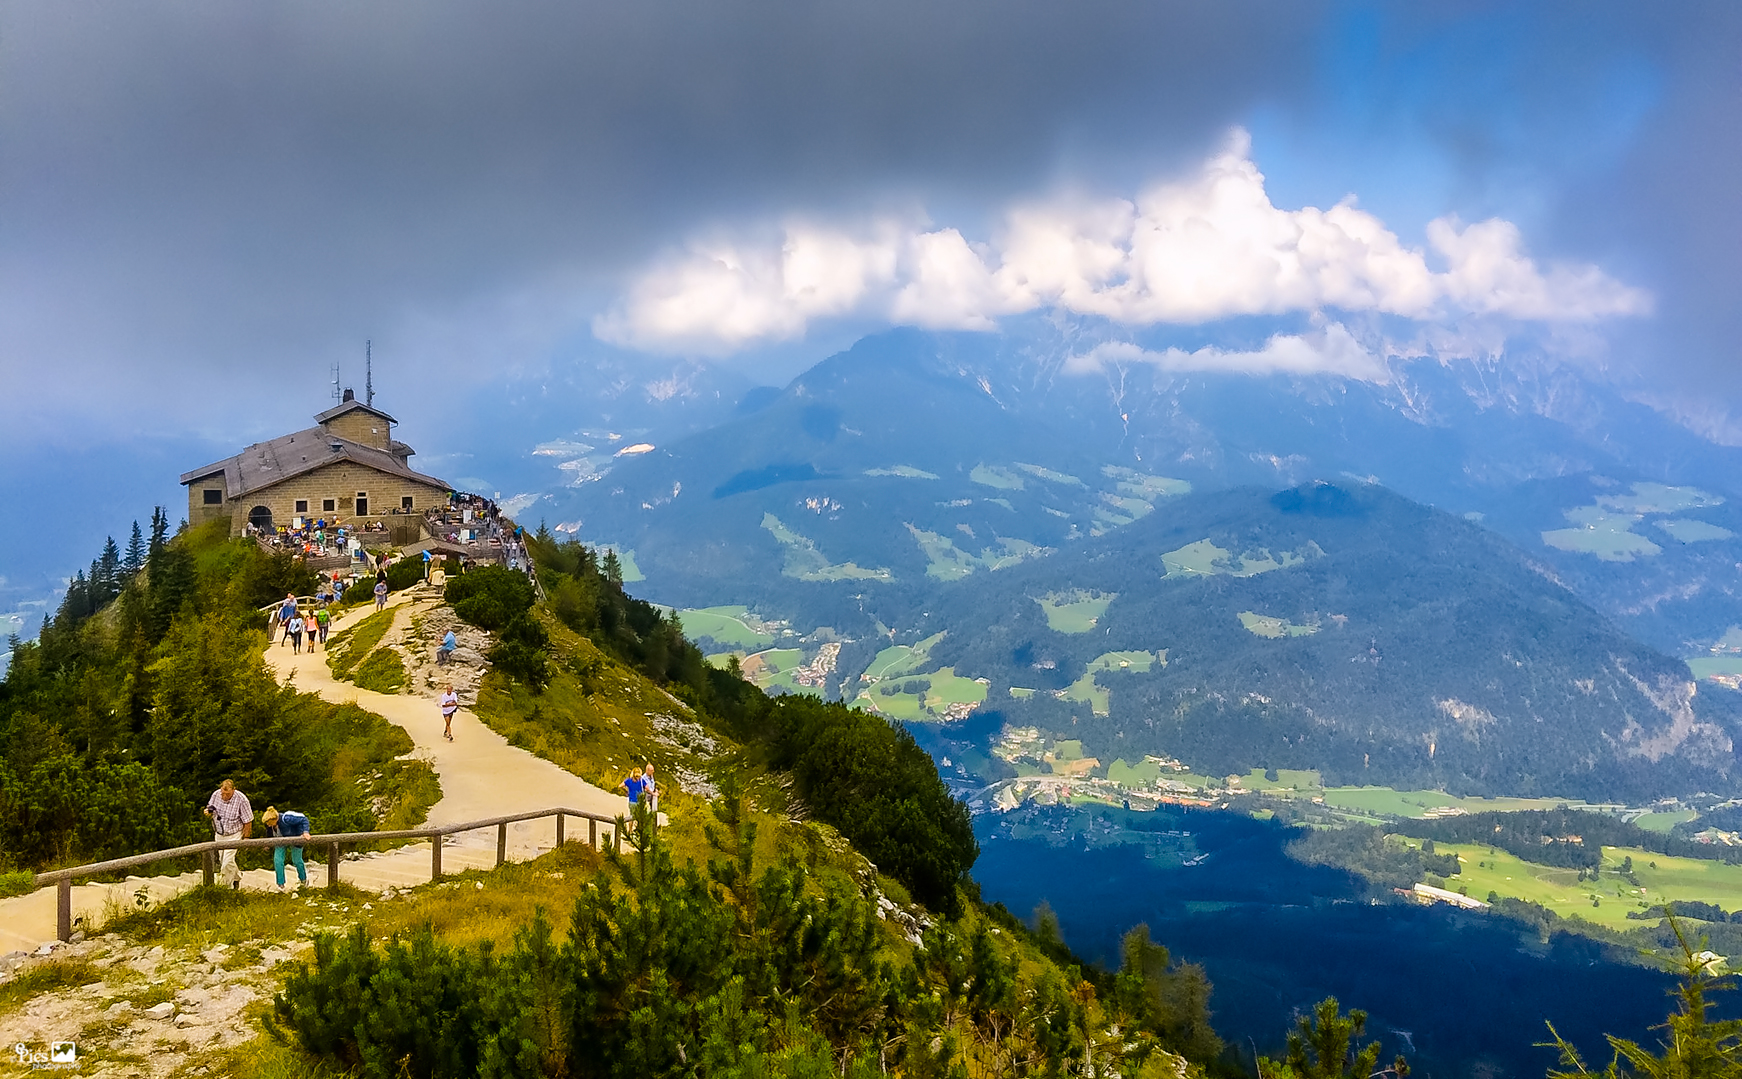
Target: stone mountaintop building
349, 470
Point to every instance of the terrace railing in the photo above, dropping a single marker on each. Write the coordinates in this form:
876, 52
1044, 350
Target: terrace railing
334, 845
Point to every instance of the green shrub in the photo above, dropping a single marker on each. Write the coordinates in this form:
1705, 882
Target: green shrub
22, 882
524, 651
490, 596
404, 573
382, 672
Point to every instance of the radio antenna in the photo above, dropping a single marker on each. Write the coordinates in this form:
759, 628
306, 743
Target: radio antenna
369, 373
338, 395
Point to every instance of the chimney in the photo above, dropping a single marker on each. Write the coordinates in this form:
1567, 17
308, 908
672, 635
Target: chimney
350, 396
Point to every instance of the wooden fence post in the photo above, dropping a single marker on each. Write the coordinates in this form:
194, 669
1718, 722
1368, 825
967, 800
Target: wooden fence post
592, 833
206, 867
501, 843
332, 864
64, 908
559, 829
435, 858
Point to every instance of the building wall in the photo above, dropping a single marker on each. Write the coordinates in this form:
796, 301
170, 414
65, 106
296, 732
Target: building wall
361, 427
340, 482
198, 511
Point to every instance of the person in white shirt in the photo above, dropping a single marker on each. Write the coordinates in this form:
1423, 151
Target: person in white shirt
232, 818
450, 702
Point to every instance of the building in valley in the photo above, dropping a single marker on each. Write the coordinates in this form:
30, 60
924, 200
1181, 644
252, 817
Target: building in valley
348, 469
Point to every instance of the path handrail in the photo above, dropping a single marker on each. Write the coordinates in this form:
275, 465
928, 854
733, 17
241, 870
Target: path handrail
333, 841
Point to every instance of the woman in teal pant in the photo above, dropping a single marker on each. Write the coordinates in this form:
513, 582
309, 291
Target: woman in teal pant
287, 824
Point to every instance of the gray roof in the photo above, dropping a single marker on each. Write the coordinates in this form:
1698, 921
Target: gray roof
265, 464
348, 406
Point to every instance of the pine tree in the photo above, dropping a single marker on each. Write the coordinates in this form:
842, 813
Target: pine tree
134, 560
1696, 1046
159, 532
613, 568
106, 573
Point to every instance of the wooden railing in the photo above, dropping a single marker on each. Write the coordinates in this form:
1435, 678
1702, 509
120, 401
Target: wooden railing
334, 845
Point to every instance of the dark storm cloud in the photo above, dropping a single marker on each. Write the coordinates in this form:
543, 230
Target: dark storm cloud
204, 204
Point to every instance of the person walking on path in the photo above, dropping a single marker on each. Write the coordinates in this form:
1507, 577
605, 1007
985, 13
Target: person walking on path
232, 818
381, 594
296, 628
286, 612
633, 786
286, 825
450, 702
650, 790
323, 623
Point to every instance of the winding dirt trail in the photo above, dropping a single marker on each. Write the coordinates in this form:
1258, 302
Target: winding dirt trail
481, 776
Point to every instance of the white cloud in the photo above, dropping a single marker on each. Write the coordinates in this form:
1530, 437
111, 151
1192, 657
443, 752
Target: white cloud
1330, 350
1196, 250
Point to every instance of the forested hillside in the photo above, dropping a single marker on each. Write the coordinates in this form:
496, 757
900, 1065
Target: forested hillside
1338, 628
146, 689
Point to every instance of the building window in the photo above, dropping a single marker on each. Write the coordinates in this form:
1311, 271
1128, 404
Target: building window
329, 505
405, 502
212, 498
302, 505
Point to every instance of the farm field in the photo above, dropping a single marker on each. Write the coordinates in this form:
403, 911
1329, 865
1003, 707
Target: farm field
943, 694
1383, 801
898, 659
906, 472
1602, 532
947, 562
1205, 559
992, 476
1686, 530
1663, 822
1050, 476
1663, 879
1262, 625
773, 668
1074, 612
804, 562
1143, 485
730, 626
1088, 691
1711, 666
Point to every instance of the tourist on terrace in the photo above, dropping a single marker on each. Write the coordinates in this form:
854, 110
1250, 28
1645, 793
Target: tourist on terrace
286, 825
232, 818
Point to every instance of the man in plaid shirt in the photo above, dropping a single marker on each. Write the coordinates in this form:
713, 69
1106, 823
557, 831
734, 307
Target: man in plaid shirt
232, 818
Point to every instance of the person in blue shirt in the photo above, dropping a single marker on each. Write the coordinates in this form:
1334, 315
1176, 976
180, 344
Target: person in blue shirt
449, 643
287, 824
633, 786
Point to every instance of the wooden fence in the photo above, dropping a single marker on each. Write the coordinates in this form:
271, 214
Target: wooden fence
333, 844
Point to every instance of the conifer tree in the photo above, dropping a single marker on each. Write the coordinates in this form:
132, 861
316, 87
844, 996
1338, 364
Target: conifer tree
134, 560
159, 532
106, 573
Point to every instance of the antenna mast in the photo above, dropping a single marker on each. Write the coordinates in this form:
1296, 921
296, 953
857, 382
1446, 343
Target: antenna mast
369, 373
338, 395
